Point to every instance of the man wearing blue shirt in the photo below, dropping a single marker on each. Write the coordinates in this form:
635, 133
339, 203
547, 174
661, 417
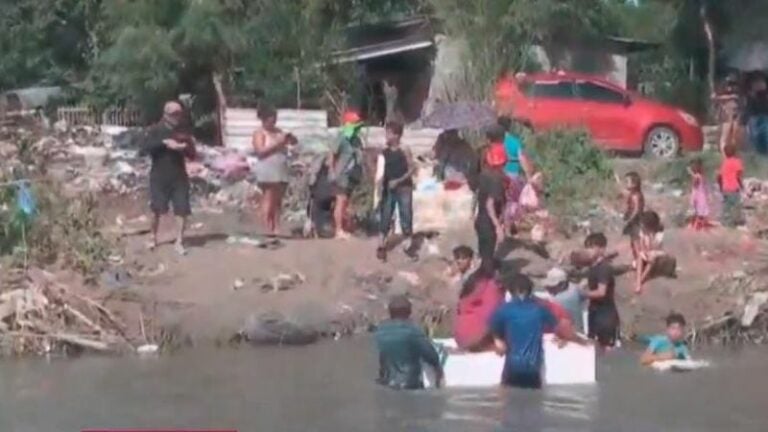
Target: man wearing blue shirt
517, 327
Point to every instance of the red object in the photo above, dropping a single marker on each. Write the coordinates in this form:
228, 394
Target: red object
730, 173
616, 118
558, 311
351, 117
496, 156
474, 313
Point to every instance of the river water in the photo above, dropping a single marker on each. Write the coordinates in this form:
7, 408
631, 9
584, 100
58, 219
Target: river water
329, 388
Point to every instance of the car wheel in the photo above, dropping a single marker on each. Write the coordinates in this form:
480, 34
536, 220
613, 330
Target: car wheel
662, 142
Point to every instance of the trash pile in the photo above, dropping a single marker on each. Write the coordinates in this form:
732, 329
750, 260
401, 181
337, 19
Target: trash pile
86, 159
747, 321
39, 315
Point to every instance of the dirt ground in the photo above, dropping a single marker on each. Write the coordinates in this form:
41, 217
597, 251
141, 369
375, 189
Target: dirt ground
206, 296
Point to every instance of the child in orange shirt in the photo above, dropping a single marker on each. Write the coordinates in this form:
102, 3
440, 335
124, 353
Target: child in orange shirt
730, 181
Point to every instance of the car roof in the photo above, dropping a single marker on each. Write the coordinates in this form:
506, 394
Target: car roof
574, 76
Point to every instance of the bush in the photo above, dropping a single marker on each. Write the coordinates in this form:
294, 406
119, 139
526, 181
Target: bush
576, 173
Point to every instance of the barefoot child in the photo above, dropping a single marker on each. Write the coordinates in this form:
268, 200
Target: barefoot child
649, 247
635, 205
668, 346
699, 199
462, 266
731, 185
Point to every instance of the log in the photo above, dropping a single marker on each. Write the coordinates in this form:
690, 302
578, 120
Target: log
84, 319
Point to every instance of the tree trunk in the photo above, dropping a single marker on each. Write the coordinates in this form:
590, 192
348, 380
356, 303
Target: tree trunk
711, 53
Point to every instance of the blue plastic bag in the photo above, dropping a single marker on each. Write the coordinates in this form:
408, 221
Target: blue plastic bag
25, 200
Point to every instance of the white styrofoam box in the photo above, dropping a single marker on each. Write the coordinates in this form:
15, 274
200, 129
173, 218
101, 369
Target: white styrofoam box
572, 364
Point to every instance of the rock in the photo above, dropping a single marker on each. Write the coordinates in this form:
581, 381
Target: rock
238, 284
273, 328
753, 308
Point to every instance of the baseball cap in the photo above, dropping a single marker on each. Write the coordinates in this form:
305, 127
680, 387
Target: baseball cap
555, 276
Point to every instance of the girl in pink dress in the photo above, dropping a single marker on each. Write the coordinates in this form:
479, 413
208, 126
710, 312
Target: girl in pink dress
699, 199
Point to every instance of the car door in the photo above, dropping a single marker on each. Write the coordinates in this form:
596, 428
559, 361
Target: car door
552, 104
606, 113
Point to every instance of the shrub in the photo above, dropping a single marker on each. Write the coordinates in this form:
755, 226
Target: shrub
576, 173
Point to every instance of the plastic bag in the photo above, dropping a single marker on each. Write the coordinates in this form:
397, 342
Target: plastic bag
25, 200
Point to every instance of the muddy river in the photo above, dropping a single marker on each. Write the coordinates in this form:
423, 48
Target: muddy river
329, 388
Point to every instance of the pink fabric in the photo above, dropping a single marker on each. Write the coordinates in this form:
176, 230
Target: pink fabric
232, 166
475, 311
699, 201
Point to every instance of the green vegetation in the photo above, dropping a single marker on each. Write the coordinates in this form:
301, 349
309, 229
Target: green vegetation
577, 175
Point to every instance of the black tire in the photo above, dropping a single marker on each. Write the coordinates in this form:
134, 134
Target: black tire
662, 142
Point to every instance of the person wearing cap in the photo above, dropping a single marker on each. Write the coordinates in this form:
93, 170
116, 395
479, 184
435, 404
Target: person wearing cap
402, 347
168, 147
346, 167
566, 294
491, 197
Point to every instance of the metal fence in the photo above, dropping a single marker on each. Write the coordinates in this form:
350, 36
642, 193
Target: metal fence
88, 116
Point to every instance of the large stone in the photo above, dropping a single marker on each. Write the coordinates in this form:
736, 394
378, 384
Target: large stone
273, 328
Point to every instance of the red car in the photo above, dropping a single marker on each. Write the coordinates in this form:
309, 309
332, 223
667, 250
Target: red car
617, 119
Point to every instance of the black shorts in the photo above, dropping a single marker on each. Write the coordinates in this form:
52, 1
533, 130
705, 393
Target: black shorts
164, 192
528, 380
604, 329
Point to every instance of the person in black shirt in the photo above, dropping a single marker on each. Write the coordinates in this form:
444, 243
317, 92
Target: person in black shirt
396, 188
491, 197
168, 146
603, 316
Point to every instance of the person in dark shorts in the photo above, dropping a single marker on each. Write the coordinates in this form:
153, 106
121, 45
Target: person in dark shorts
491, 197
517, 328
346, 168
168, 146
403, 346
396, 189
603, 315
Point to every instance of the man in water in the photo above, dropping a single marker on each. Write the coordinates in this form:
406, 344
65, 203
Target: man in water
517, 328
601, 285
668, 346
168, 146
402, 347
566, 294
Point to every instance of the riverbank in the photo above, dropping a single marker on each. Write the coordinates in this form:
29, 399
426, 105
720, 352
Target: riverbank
326, 288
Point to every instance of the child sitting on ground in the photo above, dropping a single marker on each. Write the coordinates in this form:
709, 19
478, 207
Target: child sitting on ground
699, 198
649, 247
731, 185
635, 205
668, 346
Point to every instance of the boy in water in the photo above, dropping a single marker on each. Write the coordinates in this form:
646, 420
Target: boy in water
603, 315
402, 348
670, 345
517, 328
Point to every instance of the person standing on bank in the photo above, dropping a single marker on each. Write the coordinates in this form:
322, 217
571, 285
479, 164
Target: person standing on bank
346, 168
271, 147
168, 181
491, 198
396, 188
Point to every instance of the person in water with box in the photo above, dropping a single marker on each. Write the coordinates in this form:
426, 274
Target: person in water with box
517, 328
668, 346
402, 348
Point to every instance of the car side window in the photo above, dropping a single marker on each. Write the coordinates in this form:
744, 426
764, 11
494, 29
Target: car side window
597, 93
552, 90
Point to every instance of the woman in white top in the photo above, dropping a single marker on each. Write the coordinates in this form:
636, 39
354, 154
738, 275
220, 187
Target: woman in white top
649, 247
271, 147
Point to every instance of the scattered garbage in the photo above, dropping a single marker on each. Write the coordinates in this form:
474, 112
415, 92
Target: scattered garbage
263, 243
40, 315
282, 282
